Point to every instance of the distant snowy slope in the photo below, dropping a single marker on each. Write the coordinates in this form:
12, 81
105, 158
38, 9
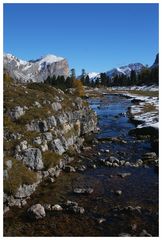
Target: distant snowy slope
126, 70
93, 75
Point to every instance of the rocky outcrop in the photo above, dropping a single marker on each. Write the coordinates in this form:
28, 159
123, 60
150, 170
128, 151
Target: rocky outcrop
17, 112
32, 158
156, 62
42, 132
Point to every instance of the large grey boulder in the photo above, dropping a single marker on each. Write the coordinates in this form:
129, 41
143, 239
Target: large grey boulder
32, 158
88, 122
51, 121
56, 146
17, 112
48, 136
25, 190
56, 106
8, 164
43, 127
36, 211
38, 126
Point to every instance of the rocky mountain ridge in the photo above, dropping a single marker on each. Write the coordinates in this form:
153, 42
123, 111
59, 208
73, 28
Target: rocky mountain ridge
125, 70
35, 70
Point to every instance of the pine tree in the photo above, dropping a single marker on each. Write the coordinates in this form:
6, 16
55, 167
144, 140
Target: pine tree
133, 77
73, 75
68, 82
87, 81
83, 75
103, 79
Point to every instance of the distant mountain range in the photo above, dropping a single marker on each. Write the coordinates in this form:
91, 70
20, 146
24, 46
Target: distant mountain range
38, 70
35, 70
125, 70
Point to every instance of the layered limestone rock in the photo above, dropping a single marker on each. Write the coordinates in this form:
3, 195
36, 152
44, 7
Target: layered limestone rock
45, 134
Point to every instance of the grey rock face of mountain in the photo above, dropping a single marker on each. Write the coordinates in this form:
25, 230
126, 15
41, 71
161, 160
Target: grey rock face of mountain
35, 70
125, 70
156, 62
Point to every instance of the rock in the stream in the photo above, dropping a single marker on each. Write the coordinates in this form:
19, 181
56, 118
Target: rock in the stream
101, 220
71, 203
69, 168
144, 233
56, 207
52, 180
83, 190
124, 235
109, 164
47, 207
123, 175
81, 168
128, 209
87, 148
114, 160
133, 227
149, 158
115, 164
122, 162
6, 209
36, 211
127, 164
57, 173
118, 192
139, 163
73, 207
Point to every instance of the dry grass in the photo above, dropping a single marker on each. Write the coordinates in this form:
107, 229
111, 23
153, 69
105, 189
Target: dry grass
145, 93
18, 175
50, 159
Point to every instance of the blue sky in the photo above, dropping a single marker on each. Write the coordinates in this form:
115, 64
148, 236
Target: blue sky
96, 37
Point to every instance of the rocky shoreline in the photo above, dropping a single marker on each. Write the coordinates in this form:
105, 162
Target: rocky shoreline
52, 141
94, 155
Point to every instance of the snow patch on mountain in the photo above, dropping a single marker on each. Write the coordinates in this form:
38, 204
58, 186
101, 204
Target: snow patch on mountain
35, 70
93, 75
125, 70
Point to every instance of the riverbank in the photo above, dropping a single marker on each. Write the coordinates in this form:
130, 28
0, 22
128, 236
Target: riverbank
114, 179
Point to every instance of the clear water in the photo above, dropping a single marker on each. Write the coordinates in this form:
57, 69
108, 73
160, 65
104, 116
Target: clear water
139, 189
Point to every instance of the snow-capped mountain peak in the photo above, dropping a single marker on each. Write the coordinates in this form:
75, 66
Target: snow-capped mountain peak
125, 70
35, 70
93, 75
50, 58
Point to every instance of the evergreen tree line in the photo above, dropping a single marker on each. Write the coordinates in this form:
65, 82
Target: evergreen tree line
146, 76
64, 83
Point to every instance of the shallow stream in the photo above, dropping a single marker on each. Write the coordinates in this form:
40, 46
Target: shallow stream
138, 189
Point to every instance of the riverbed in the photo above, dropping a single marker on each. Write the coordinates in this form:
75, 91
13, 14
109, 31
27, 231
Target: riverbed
107, 213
